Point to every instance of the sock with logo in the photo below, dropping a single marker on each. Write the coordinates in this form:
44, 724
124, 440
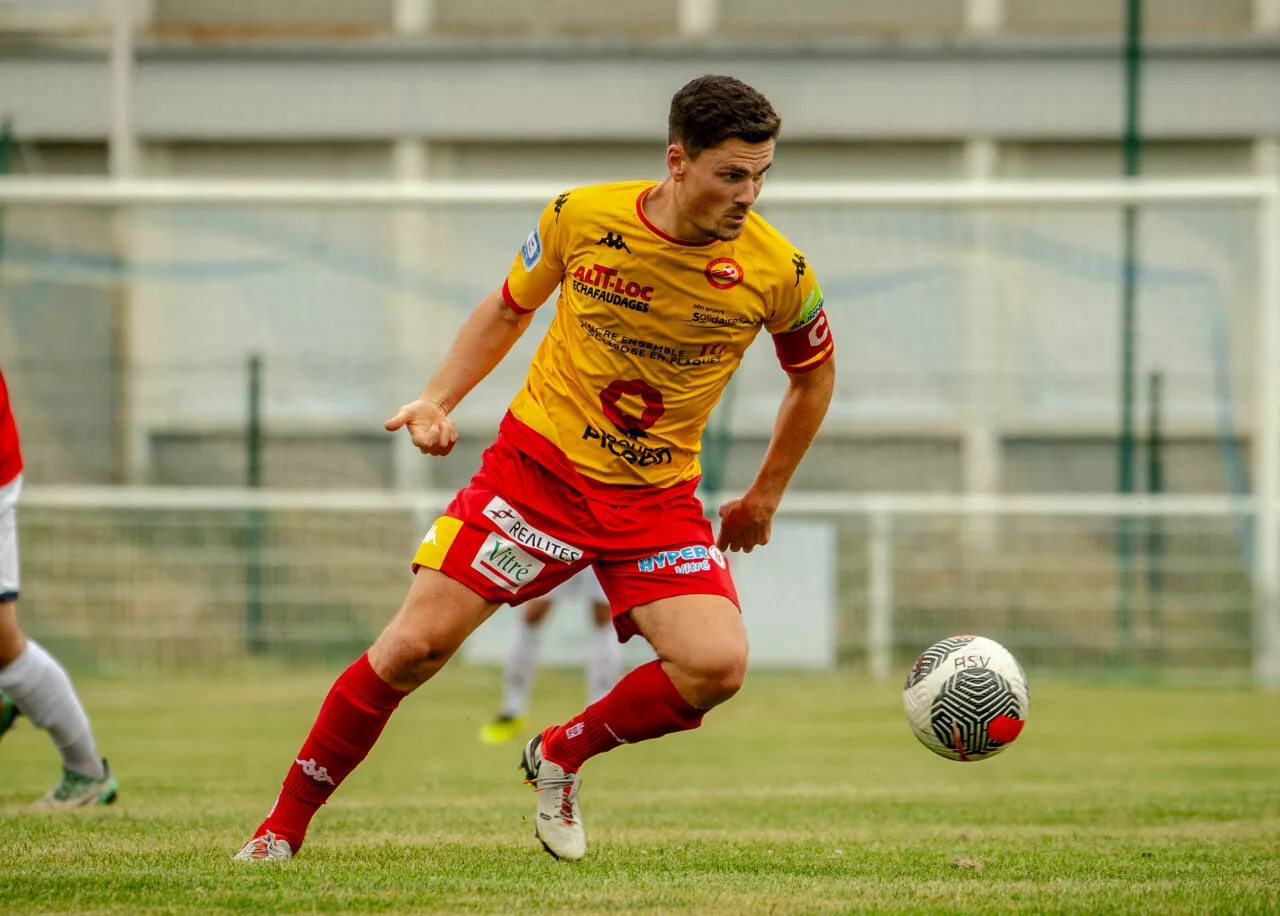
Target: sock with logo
350, 721
522, 663
643, 705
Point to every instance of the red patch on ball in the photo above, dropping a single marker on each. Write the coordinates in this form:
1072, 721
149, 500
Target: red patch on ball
1005, 728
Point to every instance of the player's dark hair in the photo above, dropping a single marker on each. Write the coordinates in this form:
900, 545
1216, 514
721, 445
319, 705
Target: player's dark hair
711, 109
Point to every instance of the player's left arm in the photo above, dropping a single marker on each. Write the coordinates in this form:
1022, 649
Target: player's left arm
746, 523
806, 351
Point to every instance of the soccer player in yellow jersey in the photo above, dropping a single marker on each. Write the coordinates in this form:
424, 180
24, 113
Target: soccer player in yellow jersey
662, 289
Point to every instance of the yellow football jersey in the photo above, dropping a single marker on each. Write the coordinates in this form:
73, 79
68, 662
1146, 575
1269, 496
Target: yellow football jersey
649, 329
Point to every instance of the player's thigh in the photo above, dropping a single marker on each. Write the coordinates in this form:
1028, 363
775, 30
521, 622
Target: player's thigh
701, 635
438, 614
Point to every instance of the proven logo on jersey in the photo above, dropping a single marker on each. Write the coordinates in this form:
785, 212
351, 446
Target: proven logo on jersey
648, 330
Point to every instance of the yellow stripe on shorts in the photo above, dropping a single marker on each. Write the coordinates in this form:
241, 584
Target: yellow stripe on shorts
437, 542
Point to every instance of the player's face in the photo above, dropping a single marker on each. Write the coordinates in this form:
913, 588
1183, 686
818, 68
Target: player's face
718, 189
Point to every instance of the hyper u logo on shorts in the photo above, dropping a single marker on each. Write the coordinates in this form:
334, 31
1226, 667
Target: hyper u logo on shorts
506, 563
684, 560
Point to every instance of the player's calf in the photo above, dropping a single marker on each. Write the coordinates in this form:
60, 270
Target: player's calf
437, 612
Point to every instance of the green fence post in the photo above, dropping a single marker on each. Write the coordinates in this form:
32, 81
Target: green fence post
255, 643
1128, 328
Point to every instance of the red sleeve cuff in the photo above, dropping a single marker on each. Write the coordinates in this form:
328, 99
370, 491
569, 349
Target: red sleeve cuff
511, 302
811, 364
807, 348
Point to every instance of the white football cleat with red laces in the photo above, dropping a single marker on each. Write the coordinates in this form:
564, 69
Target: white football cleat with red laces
559, 823
265, 848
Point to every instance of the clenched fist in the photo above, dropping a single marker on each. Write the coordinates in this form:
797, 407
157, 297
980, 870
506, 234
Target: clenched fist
745, 524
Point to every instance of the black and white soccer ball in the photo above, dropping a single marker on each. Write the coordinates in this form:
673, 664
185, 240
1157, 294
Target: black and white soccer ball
966, 698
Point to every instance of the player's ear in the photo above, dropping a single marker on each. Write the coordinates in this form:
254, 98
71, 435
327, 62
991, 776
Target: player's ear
677, 161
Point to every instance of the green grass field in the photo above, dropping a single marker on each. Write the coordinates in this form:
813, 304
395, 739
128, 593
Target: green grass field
806, 794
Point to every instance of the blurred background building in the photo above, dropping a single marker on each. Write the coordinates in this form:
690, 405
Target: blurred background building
576, 92
980, 349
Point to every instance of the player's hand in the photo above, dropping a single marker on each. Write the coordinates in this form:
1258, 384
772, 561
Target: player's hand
429, 426
745, 523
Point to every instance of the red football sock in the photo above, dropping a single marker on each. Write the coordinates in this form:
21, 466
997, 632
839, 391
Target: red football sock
643, 705
350, 721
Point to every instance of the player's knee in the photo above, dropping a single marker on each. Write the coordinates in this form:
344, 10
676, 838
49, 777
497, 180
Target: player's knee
408, 659
428, 654
717, 676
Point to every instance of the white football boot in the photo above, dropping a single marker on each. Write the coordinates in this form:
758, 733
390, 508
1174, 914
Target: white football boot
265, 848
559, 823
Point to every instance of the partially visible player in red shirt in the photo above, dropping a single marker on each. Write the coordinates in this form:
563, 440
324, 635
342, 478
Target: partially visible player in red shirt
662, 289
32, 683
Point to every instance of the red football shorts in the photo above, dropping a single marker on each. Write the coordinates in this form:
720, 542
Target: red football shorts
518, 530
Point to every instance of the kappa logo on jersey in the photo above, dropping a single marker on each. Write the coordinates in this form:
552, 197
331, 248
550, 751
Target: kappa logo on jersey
798, 260
685, 560
724, 273
531, 250
506, 563
520, 531
605, 284
615, 242
560, 203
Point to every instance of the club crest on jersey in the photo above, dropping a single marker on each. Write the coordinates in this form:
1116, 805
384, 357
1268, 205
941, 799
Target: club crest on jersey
724, 273
531, 250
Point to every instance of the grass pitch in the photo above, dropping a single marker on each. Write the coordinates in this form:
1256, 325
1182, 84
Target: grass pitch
805, 794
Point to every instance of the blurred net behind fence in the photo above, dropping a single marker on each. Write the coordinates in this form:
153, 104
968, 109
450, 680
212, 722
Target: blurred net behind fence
196, 334
979, 338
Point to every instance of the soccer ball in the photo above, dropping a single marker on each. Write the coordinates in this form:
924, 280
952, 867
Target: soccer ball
966, 698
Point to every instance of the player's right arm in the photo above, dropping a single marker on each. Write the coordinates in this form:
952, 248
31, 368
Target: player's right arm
487, 336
